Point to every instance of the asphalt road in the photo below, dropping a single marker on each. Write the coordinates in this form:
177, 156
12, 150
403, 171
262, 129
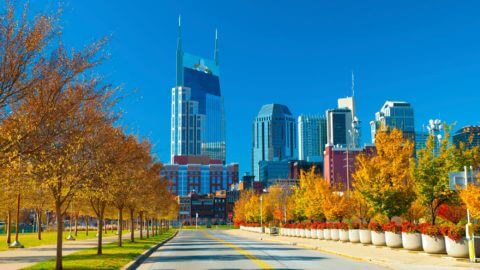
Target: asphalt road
212, 249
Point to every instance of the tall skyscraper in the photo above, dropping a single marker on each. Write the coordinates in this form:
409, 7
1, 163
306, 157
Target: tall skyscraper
343, 126
198, 118
395, 114
469, 136
312, 137
274, 136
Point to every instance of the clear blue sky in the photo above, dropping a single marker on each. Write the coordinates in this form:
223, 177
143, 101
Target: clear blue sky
297, 53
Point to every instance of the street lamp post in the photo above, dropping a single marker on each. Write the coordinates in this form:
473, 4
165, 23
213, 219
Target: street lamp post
70, 236
261, 213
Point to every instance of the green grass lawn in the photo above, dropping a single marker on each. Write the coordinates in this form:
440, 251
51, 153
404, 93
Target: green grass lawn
48, 238
214, 227
113, 257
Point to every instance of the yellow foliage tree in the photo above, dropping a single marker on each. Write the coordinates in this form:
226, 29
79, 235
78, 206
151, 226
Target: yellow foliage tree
471, 197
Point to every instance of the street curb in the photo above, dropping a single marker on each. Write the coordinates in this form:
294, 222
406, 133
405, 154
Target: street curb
142, 257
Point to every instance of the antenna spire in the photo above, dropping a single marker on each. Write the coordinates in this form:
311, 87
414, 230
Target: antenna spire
215, 53
353, 84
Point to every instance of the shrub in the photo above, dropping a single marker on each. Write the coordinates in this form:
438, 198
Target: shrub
409, 227
376, 227
429, 229
454, 232
354, 225
392, 227
363, 226
342, 226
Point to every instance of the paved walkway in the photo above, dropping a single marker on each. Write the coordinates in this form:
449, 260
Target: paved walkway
398, 259
24, 257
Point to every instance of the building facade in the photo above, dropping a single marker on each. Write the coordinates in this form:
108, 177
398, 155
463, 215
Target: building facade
469, 136
274, 136
395, 115
200, 175
198, 118
312, 137
273, 170
343, 126
339, 164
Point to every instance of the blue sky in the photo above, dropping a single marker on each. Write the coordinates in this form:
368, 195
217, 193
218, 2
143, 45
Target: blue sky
297, 53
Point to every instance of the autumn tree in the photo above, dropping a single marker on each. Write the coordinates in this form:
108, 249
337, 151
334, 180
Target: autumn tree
471, 197
384, 178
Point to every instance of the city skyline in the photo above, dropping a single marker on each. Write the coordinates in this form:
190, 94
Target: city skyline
405, 64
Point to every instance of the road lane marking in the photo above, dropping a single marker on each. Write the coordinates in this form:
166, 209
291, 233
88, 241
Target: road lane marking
262, 264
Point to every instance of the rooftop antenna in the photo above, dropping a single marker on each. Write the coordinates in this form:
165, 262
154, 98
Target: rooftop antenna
215, 54
353, 84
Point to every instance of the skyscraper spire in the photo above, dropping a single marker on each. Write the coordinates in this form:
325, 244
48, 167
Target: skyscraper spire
353, 84
179, 81
215, 53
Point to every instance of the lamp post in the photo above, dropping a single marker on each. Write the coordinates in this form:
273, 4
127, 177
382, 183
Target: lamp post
434, 128
70, 236
261, 213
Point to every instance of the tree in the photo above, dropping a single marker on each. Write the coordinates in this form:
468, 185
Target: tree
471, 197
360, 208
431, 172
384, 178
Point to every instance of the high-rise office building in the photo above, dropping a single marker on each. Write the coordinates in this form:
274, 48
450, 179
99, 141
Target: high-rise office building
343, 126
469, 136
312, 137
274, 136
198, 118
395, 114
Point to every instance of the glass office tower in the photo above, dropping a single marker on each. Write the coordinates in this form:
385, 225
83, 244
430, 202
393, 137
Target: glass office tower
395, 114
201, 77
274, 136
312, 137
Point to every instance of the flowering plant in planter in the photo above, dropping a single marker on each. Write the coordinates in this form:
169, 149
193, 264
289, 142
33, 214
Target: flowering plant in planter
331, 225
392, 227
454, 232
342, 226
409, 227
376, 227
363, 226
308, 225
319, 225
429, 229
354, 225
299, 226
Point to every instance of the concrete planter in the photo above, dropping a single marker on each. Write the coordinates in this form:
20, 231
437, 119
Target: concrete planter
393, 240
433, 244
302, 233
335, 234
354, 236
412, 241
314, 234
365, 236
319, 234
327, 234
308, 233
289, 232
297, 232
457, 249
343, 235
378, 238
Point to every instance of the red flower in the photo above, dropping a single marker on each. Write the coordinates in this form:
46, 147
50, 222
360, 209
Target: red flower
392, 227
408, 227
454, 232
376, 227
342, 226
429, 229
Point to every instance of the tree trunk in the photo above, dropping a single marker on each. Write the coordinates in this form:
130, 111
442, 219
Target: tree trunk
100, 233
148, 227
120, 226
141, 225
39, 224
132, 226
105, 226
87, 220
76, 224
9, 227
58, 216
17, 225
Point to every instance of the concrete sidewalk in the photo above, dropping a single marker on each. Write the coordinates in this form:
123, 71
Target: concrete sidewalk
398, 259
24, 257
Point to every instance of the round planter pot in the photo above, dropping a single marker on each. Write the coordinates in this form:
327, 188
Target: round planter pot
308, 233
335, 234
378, 238
297, 232
393, 240
457, 249
354, 236
433, 244
327, 234
302, 233
343, 235
319, 234
314, 234
412, 241
365, 236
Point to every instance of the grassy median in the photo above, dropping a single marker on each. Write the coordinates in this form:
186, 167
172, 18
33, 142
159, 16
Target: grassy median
48, 238
113, 257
